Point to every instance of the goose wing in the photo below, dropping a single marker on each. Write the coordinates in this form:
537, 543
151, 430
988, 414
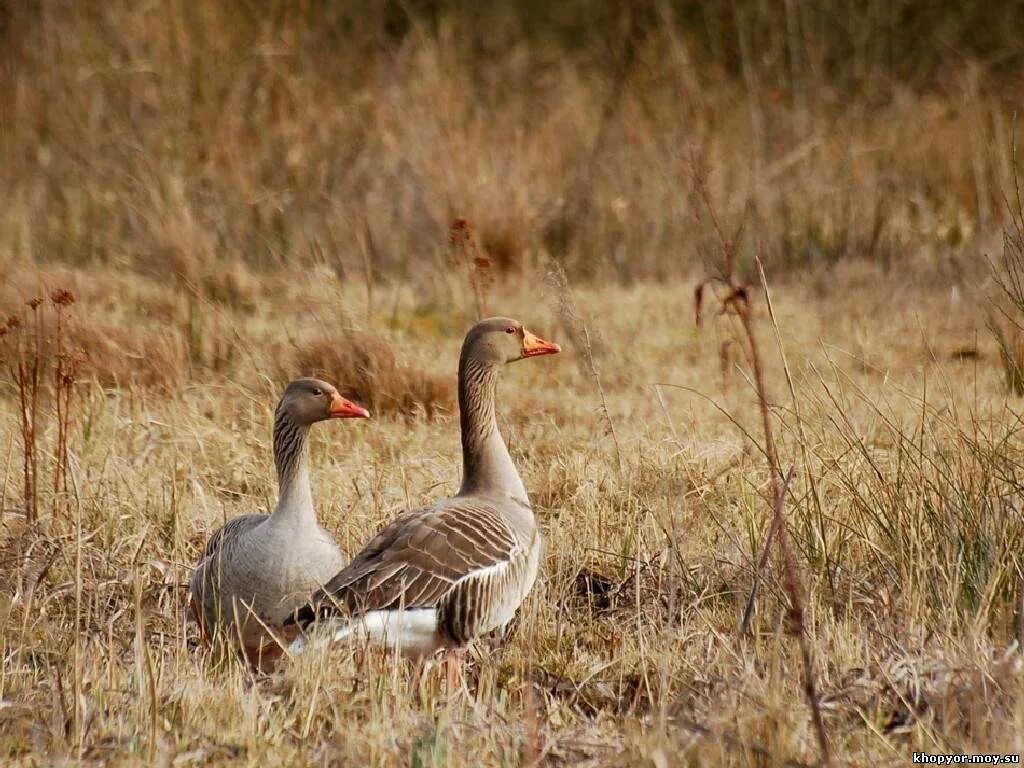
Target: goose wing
203, 586
228, 532
420, 560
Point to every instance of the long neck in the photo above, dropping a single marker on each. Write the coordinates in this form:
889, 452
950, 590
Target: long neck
487, 467
291, 457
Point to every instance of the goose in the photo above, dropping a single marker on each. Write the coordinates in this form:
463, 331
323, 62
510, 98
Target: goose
257, 569
437, 578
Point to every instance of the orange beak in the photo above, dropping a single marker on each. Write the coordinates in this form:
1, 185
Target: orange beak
346, 409
534, 346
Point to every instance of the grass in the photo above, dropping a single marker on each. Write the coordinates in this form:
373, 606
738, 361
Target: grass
909, 549
212, 142
234, 198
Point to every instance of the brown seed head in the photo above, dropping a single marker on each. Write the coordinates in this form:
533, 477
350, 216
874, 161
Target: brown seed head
458, 232
62, 297
14, 322
34, 303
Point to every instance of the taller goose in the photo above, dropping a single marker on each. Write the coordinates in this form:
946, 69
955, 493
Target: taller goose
439, 577
257, 569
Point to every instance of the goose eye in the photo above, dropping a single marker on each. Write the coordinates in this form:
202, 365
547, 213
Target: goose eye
510, 329
317, 391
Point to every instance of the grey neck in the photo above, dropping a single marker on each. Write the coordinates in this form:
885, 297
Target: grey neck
291, 457
487, 467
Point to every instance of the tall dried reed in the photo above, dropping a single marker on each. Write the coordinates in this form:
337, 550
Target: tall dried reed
37, 353
737, 301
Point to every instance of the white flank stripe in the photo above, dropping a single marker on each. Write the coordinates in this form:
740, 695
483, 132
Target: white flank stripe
411, 633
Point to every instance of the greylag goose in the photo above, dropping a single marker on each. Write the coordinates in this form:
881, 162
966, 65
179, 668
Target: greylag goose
257, 569
439, 577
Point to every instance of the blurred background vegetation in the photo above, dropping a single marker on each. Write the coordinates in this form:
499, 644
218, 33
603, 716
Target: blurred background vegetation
201, 138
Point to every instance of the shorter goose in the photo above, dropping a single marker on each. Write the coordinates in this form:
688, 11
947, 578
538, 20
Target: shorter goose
257, 569
442, 576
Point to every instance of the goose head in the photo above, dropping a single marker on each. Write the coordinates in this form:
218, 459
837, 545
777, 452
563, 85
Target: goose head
307, 401
500, 340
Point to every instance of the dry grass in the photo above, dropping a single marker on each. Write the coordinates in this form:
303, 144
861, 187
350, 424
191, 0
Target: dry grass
629, 651
236, 200
181, 141
367, 366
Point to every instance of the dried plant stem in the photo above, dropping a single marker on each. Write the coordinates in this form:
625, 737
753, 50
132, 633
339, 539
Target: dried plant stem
737, 301
467, 253
812, 481
588, 352
60, 454
144, 668
762, 562
791, 581
22, 376
64, 371
580, 335
77, 648
1005, 316
7, 474
25, 372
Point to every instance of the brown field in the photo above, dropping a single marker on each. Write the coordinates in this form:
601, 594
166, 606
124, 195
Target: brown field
236, 200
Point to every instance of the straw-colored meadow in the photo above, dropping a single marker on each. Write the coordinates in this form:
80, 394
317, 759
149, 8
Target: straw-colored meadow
235, 196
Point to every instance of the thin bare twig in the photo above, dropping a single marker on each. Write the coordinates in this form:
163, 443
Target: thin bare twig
737, 302
811, 481
580, 335
762, 561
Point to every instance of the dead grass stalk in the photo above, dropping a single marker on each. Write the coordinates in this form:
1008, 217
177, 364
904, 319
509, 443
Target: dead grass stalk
737, 301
